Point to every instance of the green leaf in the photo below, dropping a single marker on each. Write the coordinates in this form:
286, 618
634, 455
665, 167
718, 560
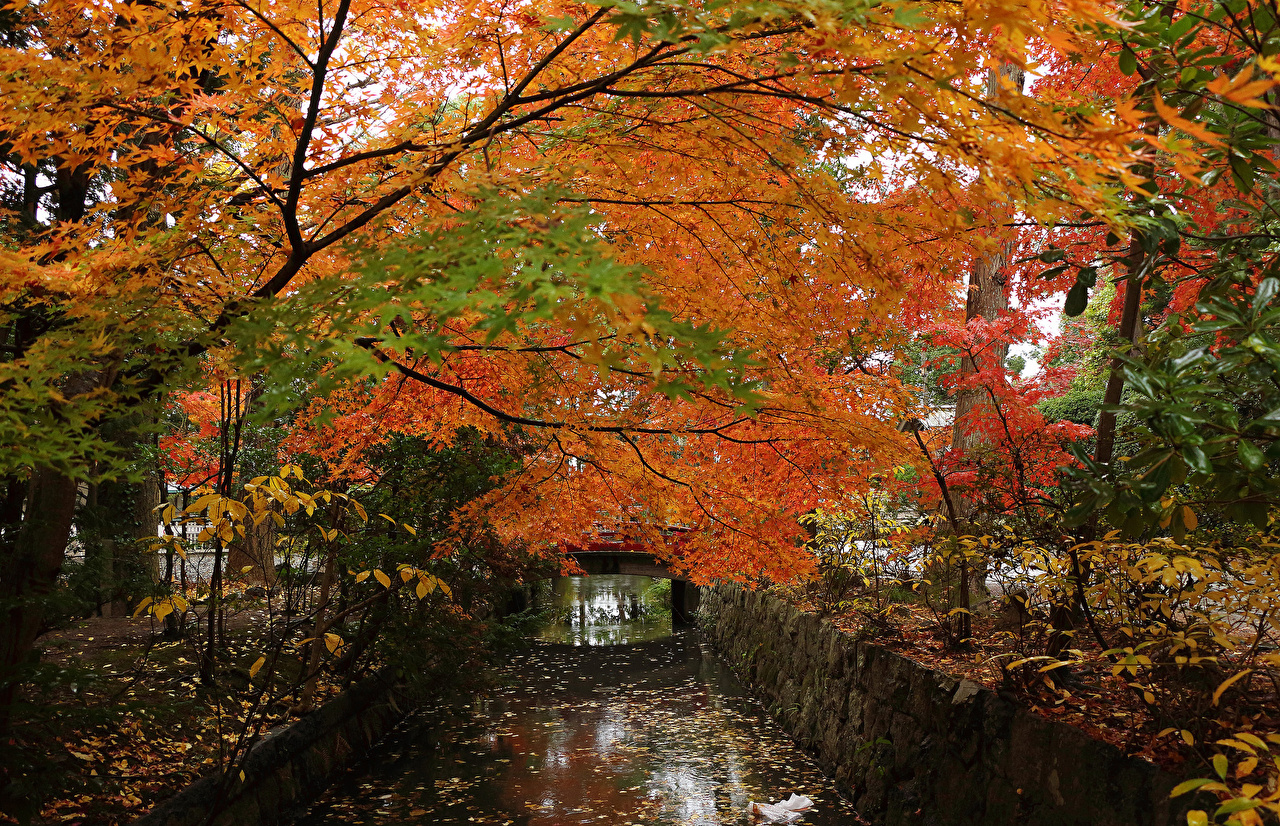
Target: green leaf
1239, 804
1077, 300
1242, 171
1196, 459
1189, 786
1250, 456
1266, 291
1128, 62
910, 16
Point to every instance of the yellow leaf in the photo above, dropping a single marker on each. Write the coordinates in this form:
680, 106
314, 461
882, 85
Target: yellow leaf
1217, 695
142, 606
421, 590
202, 503
244, 569
1189, 518
1195, 817
412, 530
1236, 744
362, 576
383, 578
1252, 739
1174, 118
332, 641
257, 666
406, 574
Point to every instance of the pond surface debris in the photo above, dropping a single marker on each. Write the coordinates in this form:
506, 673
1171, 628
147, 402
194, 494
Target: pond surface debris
657, 732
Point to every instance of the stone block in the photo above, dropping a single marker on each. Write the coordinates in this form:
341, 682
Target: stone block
289, 765
960, 755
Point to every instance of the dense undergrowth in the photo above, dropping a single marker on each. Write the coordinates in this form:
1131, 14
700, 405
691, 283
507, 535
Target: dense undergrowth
1169, 650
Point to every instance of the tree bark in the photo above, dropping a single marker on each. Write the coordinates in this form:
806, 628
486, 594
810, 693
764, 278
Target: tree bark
322, 626
255, 551
30, 573
988, 297
1130, 330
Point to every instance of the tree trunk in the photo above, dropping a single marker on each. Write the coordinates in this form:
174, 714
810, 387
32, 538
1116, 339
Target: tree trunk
30, 574
988, 297
1130, 331
257, 552
209, 657
317, 642
146, 517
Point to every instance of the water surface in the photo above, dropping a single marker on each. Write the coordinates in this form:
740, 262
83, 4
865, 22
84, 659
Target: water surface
655, 732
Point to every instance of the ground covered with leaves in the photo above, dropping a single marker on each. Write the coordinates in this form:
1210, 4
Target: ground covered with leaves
120, 720
1084, 686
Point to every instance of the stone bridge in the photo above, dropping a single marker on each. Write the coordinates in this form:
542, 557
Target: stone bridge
614, 553
617, 559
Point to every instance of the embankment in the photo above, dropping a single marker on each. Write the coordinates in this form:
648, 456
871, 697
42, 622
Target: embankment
914, 746
290, 765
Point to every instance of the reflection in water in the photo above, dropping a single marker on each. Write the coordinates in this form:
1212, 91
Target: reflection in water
650, 732
606, 610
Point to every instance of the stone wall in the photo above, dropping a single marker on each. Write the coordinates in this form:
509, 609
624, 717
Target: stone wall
291, 765
911, 745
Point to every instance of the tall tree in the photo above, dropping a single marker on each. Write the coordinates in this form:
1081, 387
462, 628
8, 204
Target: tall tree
986, 296
626, 228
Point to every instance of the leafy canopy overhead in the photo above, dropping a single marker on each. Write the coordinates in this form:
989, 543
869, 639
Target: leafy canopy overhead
679, 244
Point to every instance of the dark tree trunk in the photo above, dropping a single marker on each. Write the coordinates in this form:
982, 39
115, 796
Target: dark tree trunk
30, 574
987, 297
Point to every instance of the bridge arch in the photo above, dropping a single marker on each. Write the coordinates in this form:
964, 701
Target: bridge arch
627, 563
685, 596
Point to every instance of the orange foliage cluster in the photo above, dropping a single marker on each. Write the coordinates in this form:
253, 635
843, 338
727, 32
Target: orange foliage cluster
815, 188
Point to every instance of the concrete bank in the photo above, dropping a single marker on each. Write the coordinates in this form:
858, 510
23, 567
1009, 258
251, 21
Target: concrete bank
292, 764
914, 746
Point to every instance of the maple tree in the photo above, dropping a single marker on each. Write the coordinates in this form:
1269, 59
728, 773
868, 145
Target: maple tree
671, 255
625, 227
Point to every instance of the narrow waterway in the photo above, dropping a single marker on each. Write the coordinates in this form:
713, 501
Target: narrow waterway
609, 717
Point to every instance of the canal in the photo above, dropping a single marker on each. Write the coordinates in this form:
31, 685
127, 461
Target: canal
610, 716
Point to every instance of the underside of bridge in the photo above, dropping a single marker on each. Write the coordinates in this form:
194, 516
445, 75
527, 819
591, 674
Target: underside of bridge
685, 596
627, 563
